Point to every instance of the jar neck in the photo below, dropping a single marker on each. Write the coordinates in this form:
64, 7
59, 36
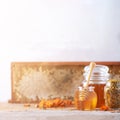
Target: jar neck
95, 82
90, 88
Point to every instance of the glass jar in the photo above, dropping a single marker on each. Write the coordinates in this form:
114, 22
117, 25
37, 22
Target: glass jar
112, 93
98, 79
85, 99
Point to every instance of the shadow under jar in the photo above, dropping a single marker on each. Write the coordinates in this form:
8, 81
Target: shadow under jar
98, 80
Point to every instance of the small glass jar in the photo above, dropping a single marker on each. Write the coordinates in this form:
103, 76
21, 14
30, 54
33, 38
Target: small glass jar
85, 99
112, 93
98, 79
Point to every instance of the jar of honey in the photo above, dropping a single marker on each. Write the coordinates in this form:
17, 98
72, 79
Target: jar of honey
98, 79
85, 99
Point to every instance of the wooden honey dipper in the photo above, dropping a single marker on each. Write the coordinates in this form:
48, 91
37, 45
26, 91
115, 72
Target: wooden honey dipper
92, 65
84, 93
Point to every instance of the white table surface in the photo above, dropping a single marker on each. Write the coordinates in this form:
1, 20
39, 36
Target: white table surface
19, 112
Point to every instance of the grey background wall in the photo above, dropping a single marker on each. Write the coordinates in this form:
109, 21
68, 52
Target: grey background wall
57, 30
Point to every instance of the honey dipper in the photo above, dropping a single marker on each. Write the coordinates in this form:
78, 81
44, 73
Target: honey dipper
92, 65
84, 93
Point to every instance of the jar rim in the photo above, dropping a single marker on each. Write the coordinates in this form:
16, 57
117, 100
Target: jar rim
97, 68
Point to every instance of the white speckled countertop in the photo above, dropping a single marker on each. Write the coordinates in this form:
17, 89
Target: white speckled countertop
19, 112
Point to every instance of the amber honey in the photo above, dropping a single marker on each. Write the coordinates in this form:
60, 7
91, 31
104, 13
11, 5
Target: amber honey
99, 89
89, 100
